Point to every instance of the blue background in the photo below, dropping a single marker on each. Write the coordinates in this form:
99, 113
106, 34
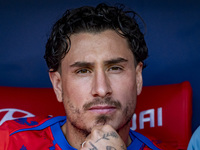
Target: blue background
173, 39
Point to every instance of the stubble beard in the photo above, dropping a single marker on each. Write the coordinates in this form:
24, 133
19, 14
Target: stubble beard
101, 119
84, 131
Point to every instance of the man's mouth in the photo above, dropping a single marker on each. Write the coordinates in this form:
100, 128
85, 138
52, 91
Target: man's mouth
102, 109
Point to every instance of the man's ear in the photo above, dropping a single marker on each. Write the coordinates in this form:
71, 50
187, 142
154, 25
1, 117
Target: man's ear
139, 80
55, 78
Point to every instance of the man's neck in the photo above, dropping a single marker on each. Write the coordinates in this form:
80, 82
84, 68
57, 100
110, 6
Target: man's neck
75, 138
124, 134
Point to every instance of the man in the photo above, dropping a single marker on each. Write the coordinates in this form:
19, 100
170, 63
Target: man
95, 57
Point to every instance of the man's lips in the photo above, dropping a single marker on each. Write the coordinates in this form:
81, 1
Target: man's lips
102, 109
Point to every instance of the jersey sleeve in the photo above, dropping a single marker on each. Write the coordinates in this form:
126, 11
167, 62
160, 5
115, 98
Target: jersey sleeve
160, 144
31, 133
4, 136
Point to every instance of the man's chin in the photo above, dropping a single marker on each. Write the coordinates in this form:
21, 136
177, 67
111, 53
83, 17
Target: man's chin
106, 120
102, 120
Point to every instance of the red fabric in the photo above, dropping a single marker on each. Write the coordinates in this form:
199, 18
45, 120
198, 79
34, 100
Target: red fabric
176, 103
40, 139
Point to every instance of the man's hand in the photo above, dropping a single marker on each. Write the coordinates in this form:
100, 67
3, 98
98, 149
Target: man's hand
103, 138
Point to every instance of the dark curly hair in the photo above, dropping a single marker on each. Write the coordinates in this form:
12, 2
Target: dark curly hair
94, 19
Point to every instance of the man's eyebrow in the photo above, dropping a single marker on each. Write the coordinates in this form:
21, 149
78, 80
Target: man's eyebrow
89, 64
81, 64
115, 61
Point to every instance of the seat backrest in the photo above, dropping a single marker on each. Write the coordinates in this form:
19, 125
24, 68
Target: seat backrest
166, 113
162, 111
16, 102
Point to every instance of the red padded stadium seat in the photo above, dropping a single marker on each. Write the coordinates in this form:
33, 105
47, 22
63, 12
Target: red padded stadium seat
162, 111
166, 113
26, 102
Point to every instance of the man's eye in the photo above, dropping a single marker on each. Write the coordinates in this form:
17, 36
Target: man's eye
115, 68
82, 71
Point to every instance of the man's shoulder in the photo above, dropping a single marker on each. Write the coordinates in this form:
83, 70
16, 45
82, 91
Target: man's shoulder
143, 140
23, 132
30, 123
150, 142
22, 123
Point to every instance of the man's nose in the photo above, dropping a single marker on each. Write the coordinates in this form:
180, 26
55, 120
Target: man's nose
101, 85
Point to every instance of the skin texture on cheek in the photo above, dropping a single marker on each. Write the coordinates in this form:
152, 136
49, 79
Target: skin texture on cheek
75, 118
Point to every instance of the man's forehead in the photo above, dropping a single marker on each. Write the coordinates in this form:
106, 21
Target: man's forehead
104, 47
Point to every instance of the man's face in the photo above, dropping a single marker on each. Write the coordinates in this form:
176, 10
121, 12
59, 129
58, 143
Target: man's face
99, 81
